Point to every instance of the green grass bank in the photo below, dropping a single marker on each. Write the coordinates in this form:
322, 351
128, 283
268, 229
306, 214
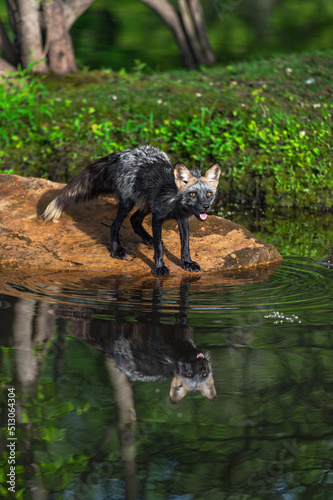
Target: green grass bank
268, 122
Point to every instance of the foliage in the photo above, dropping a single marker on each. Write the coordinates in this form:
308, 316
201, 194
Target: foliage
269, 123
299, 233
113, 34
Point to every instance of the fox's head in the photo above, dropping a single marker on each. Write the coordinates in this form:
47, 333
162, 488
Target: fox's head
193, 374
196, 192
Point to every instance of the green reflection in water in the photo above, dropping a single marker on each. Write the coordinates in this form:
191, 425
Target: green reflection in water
86, 431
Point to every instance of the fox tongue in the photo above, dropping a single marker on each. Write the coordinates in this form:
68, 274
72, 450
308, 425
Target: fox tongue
203, 216
200, 355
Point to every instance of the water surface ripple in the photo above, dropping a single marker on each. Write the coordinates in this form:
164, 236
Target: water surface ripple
102, 369
297, 284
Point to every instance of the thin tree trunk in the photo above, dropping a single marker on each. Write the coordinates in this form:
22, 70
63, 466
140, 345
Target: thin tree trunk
170, 16
29, 35
199, 21
60, 48
190, 32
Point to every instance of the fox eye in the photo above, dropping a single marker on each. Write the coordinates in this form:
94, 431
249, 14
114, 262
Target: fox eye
192, 194
209, 193
189, 375
204, 374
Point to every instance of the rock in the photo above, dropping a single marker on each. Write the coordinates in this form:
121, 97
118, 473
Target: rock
80, 239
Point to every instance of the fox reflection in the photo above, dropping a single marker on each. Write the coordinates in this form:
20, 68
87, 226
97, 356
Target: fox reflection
148, 352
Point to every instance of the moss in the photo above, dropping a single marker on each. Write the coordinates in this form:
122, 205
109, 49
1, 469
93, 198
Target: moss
269, 122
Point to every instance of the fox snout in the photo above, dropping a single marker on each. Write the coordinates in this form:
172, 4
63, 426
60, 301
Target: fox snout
206, 207
201, 208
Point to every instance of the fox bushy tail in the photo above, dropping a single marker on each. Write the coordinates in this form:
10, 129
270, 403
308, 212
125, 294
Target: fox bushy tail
95, 179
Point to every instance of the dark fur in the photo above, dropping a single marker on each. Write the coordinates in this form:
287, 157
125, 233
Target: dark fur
144, 177
147, 352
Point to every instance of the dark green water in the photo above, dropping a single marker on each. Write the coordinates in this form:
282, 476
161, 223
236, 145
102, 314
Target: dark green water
93, 413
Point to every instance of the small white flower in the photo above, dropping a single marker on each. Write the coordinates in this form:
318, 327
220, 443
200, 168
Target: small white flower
198, 94
114, 97
316, 105
159, 101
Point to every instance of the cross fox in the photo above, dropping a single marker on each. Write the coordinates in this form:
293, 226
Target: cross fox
147, 352
144, 177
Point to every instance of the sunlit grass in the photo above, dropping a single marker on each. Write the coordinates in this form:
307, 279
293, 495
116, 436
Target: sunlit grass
268, 122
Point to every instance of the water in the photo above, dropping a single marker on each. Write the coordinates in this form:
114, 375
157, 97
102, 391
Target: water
89, 359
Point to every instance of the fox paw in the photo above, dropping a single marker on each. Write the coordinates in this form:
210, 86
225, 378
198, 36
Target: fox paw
160, 271
191, 266
119, 253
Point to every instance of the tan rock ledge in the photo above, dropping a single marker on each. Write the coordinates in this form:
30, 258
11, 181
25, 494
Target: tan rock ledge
80, 241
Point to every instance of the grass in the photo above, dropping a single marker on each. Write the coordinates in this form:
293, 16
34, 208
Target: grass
268, 122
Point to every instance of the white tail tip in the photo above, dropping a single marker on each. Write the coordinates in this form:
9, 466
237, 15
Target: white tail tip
52, 211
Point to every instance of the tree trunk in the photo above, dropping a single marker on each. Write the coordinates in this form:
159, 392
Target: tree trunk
169, 15
199, 21
29, 34
5, 67
30, 19
73, 10
190, 32
60, 50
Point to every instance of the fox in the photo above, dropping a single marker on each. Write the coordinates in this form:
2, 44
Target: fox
146, 352
144, 177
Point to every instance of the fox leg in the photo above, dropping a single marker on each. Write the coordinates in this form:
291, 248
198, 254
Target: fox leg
117, 251
160, 268
136, 221
187, 263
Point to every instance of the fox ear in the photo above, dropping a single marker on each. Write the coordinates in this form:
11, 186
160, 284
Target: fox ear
183, 176
177, 390
212, 175
208, 390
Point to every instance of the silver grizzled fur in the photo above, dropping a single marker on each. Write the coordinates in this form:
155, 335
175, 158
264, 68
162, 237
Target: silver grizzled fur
144, 177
